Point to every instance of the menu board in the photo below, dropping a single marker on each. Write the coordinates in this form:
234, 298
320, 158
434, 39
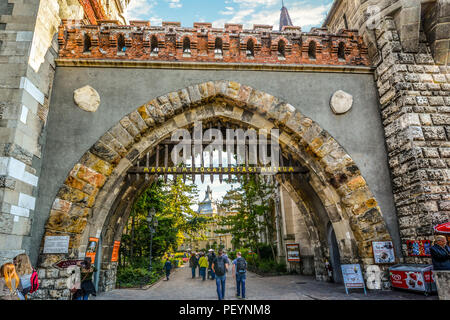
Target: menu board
115, 253
352, 276
383, 252
56, 244
293, 252
91, 250
418, 248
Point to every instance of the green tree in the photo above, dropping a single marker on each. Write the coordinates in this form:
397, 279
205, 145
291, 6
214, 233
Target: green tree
251, 201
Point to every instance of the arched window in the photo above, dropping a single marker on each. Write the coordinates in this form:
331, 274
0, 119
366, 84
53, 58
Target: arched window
186, 46
250, 49
341, 51
154, 45
218, 51
87, 43
281, 49
312, 50
121, 43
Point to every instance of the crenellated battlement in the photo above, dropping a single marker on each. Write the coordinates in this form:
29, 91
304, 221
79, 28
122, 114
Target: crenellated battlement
140, 41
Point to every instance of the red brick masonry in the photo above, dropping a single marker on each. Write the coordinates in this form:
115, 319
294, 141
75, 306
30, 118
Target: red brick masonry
142, 42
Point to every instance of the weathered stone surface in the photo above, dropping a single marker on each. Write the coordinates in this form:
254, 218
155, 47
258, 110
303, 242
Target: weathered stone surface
443, 284
87, 98
341, 102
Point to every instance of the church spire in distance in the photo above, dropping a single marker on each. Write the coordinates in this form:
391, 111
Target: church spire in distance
285, 19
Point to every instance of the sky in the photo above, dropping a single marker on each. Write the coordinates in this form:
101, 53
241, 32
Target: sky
304, 13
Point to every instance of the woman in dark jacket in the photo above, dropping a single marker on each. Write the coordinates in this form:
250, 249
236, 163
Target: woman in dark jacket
87, 287
440, 254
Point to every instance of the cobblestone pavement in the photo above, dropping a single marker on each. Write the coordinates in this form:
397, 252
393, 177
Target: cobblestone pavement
181, 286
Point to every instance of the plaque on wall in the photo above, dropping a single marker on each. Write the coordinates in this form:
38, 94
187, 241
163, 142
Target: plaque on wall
56, 244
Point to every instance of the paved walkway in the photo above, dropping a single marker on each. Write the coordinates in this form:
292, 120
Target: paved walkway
181, 286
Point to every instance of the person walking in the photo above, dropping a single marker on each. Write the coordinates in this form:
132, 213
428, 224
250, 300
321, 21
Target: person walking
203, 264
440, 253
240, 272
10, 286
167, 267
193, 262
220, 268
211, 257
87, 287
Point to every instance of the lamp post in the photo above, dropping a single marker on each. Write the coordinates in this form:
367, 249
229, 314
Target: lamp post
152, 224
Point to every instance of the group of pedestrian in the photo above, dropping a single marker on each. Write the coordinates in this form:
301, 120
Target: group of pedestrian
18, 279
217, 267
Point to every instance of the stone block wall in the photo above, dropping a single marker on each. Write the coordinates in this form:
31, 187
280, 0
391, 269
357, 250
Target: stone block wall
408, 44
415, 107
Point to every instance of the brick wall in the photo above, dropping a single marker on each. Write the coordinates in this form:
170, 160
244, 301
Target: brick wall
139, 40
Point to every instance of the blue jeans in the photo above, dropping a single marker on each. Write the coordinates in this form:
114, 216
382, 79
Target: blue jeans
193, 272
202, 272
212, 274
220, 283
167, 274
240, 284
84, 297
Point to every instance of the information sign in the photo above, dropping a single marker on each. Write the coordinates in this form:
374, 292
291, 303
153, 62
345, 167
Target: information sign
293, 252
56, 244
352, 277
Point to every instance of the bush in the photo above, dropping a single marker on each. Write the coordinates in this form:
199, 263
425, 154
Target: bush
138, 274
281, 267
265, 251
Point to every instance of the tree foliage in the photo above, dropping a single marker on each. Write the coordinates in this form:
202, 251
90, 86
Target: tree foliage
172, 203
251, 201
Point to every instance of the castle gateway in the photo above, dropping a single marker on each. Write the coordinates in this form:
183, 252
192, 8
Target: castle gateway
361, 106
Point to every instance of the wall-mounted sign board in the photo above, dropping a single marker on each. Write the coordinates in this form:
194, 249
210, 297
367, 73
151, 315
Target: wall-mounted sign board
56, 244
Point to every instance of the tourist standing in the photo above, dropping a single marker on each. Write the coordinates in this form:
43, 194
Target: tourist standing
220, 268
211, 257
193, 262
87, 286
167, 267
203, 264
240, 272
28, 276
440, 253
10, 286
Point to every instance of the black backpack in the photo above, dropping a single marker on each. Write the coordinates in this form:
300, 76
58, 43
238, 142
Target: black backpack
219, 266
241, 265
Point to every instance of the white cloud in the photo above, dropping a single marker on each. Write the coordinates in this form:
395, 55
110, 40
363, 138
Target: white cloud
301, 14
175, 4
140, 9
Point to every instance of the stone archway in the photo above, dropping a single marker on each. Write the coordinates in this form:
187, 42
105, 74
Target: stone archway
84, 201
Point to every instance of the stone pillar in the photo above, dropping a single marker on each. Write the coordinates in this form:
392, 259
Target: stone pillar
442, 279
415, 108
24, 100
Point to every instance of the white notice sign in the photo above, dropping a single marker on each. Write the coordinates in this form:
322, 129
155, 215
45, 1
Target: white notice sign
56, 244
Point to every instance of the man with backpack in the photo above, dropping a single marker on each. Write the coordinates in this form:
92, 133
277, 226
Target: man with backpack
211, 257
167, 268
220, 268
240, 272
193, 263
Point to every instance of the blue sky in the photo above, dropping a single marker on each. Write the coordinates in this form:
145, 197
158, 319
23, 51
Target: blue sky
304, 13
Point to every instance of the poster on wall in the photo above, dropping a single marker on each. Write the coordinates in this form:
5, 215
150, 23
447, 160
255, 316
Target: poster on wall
353, 277
418, 248
383, 252
293, 252
91, 250
115, 253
